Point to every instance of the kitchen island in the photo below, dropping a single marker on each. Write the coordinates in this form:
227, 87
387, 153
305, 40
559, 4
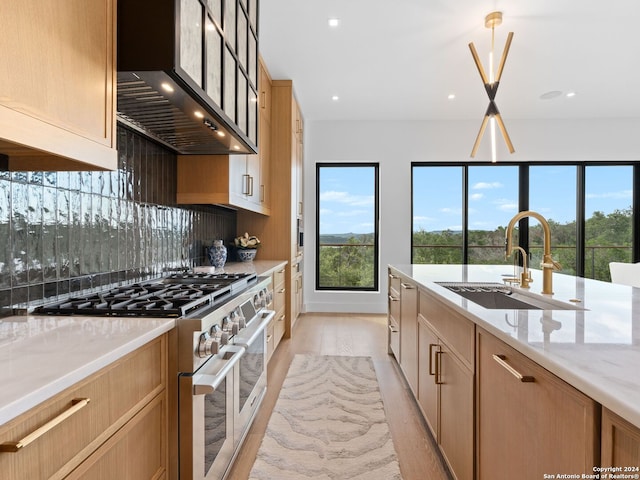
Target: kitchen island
596, 350
498, 384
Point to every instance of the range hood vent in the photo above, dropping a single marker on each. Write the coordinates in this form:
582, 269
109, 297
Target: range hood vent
176, 119
181, 80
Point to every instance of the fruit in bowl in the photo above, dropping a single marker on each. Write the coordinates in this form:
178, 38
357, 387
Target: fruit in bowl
246, 241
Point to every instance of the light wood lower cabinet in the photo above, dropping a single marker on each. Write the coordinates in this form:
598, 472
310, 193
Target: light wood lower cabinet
531, 426
120, 433
445, 390
409, 332
620, 443
276, 328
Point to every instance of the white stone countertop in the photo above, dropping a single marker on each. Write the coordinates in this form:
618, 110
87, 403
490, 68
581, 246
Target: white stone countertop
259, 267
597, 350
41, 356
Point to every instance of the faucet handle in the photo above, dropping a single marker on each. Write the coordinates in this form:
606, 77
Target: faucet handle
552, 264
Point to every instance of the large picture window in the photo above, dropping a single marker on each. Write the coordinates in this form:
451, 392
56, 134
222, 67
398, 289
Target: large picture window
589, 206
347, 226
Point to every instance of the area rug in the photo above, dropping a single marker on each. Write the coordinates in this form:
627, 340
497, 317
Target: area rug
328, 423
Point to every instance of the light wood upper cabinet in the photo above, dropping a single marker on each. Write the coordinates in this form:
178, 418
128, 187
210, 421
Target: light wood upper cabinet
241, 181
57, 84
278, 232
526, 429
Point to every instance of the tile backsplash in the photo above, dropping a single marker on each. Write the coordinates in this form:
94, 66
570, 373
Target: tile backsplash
65, 232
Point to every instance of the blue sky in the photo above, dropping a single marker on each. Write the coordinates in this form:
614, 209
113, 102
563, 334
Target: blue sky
347, 195
493, 194
347, 200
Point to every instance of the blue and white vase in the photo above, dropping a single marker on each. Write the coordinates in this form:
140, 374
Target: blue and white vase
217, 254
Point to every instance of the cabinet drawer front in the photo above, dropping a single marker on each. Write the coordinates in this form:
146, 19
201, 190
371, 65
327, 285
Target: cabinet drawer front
451, 327
394, 280
279, 297
524, 405
279, 277
116, 393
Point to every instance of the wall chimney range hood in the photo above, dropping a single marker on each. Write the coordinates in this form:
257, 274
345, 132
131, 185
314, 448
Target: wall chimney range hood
163, 96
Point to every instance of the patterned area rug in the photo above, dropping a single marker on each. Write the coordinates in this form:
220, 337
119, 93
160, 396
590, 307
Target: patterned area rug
328, 423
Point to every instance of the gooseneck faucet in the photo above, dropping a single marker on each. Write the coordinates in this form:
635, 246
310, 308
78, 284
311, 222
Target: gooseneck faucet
548, 265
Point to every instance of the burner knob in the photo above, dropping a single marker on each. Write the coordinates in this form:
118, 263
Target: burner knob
226, 324
235, 328
207, 346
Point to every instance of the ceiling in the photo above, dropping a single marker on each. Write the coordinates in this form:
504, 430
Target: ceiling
399, 60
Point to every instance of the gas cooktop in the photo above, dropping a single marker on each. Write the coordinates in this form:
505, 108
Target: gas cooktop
174, 296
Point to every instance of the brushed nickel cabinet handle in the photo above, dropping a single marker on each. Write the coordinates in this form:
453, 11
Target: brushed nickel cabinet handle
282, 290
263, 99
262, 196
76, 405
269, 337
501, 359
407, 286
392, 298
392, 276
392, 329
245, 181
250, 186
281, 319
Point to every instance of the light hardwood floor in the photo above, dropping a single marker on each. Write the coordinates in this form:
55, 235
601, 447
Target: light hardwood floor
333, 334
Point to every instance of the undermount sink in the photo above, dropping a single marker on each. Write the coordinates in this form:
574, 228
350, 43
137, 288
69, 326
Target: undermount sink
497, 296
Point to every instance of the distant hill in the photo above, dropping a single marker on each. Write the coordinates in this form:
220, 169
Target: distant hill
345, 237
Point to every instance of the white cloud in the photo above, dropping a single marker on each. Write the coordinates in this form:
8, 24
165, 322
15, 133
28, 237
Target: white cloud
508, 207
476, 196
346, 198
486, 185
620, 194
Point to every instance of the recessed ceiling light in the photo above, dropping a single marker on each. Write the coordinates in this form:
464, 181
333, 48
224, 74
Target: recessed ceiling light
236, 147
220, 133
571, 94
335, 98
198, 114
550, 95
451, 96
334, 22
165, 86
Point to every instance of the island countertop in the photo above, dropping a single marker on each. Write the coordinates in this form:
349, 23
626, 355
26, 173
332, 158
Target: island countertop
596, 350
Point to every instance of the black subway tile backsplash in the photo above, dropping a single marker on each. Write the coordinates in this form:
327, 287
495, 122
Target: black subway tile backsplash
66, 232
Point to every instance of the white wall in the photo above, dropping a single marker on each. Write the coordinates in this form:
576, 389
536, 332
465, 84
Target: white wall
394, 145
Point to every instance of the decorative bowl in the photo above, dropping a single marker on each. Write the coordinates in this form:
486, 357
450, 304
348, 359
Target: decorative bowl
246, 254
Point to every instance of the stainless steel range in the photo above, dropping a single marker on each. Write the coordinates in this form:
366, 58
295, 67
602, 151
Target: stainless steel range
221, 358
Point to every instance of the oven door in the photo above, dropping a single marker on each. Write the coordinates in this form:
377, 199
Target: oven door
213, 442
252, 370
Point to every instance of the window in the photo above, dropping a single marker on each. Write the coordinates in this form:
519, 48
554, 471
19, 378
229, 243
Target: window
609, 219
347, 226
437, 215
590, 209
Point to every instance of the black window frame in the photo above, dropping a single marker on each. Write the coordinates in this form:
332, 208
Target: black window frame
523, 201
376, 246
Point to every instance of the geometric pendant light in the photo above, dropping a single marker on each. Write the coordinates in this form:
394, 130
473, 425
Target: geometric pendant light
491, 83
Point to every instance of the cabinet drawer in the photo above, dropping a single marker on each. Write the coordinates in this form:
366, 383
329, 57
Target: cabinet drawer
116, 393
278, 329
279, 297
394, 281
279, 277
451, 327
137, 451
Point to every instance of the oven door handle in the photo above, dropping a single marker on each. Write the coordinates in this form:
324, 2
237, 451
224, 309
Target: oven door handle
255, 331
207, 380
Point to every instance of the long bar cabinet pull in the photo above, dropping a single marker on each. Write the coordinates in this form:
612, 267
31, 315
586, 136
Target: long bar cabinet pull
407, 286
76, 405
392, 298
438, 379
501, 359
431, 347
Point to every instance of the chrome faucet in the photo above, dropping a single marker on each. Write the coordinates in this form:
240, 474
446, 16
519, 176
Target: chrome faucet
548, 265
